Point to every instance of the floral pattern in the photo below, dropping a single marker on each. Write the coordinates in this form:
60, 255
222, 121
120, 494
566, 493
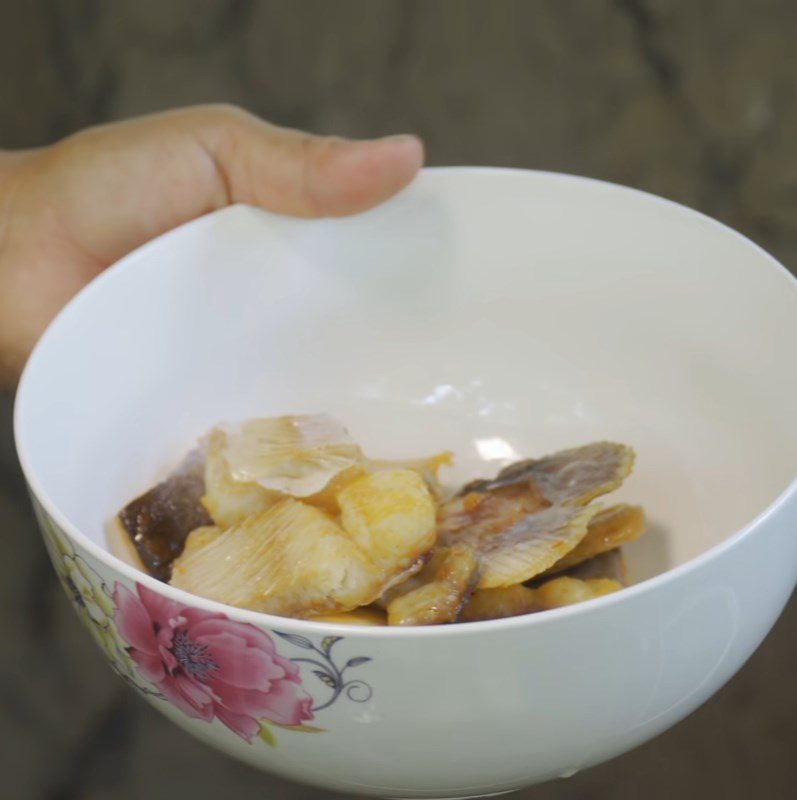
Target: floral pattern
91, 600
210, 666
328, 672
204, 664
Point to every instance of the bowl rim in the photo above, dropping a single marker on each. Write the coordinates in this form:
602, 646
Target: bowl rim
271, 621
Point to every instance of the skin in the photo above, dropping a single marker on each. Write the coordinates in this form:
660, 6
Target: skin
69, 210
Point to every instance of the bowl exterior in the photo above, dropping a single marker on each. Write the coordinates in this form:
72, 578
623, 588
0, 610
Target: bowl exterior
463, 713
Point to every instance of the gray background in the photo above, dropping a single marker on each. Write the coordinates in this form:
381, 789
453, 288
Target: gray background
692, 99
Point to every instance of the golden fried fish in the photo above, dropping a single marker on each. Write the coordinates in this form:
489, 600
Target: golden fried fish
390, 515
286, 515
565, 591
516, 548
607, 530
296, 455
532, 544
368, 616
528, 518
428, 468
230, 501
515, 601
505, 601
437, 593
292, 560
573, 476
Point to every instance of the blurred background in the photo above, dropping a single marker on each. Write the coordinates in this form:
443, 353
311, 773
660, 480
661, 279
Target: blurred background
696, 101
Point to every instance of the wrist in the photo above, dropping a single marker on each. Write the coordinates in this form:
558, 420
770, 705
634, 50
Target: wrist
12, 169
12, 166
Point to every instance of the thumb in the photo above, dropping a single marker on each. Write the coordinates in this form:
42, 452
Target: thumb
69, 210
116, 186
292, 172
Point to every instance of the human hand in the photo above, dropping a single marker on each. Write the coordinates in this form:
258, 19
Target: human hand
69, 210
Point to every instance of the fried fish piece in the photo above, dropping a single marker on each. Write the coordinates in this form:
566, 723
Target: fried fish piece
159, 521
199, 537
428, 468
292, 560
565, 591
498, 603
365, 617
230, 501
424, 575
515, 548
532, 514
482, 514
607, 530
438, 592
573, 476
515, 601
532, 544
610, 564
327, 498
296, 455
390, 515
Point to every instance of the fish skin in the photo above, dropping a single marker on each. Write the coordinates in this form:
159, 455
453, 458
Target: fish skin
159, 521
606, 465
534, 512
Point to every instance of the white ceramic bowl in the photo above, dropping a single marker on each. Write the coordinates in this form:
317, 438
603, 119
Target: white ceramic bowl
487, 311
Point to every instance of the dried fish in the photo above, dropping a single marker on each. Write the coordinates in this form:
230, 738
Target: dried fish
530, 516
564, 591
608, 529
438, 592
573, 476
391, 516
159, 521
286, 515
230, 501
504, 601
291, 560
296, 455
368, 616
610, 564
515, 601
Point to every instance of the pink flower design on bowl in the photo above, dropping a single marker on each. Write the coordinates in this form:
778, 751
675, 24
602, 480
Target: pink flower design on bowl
209, 666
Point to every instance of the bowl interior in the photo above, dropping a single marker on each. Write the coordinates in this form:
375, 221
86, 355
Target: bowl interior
492, 312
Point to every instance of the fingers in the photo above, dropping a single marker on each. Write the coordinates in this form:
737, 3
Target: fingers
84, 202
291, 172
116, 186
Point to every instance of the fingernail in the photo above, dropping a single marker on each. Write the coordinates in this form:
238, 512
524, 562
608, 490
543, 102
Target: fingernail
402, 138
